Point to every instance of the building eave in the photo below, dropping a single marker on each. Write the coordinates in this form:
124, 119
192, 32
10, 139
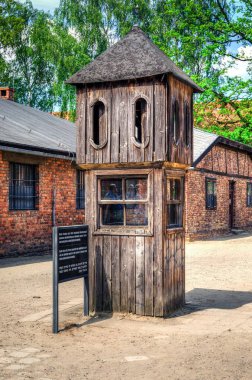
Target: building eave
37, 151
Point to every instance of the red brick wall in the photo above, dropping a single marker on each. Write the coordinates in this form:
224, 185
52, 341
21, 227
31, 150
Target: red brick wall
25, 232
203, 223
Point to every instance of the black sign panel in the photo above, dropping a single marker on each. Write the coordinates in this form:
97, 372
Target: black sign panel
72, 252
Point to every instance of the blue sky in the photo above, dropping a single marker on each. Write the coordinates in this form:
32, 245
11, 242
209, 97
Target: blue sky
46, 5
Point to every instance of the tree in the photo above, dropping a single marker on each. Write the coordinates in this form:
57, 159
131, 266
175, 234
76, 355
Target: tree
203, 37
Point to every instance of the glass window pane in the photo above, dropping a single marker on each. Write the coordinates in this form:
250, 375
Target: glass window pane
111, 189
80, 190
174, 215
136, 215
173, 189
249, 189
136, 188
209, 187
214, 188
112, 214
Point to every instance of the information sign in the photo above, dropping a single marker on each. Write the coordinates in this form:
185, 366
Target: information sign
70, 262
72, 252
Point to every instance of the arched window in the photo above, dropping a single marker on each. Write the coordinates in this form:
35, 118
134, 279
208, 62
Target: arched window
186, 124
140, 119
175, 121
99, 123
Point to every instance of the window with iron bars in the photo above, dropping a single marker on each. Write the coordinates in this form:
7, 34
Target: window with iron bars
23, 187
211, 194
80, 189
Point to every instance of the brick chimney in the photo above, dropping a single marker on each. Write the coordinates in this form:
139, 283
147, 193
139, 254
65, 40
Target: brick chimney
7, 93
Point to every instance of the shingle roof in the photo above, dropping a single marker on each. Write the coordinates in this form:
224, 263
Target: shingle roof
201, 142
135, 56
21, 124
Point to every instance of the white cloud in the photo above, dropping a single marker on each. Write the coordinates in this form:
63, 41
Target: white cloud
236, 67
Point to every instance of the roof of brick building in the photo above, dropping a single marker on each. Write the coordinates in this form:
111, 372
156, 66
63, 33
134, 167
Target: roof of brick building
201, 142
27, 126
134, 56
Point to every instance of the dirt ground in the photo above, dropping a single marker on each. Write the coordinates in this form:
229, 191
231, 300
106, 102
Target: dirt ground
211, 338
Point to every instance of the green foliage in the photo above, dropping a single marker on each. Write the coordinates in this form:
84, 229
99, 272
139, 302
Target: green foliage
38, 52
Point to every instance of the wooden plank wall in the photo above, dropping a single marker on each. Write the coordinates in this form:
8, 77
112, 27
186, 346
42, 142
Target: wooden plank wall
182, 92
119, 100
174, 270
126, 272
80, 124
121, 274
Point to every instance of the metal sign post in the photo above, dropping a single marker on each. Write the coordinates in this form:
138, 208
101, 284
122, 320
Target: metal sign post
70, 261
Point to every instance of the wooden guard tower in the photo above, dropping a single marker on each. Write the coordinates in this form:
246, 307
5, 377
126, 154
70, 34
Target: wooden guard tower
134, 117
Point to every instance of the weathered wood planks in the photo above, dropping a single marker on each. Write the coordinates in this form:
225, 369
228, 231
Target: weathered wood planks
136, 274
118, 122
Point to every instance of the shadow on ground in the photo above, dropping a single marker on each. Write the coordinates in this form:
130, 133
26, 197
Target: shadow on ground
23, 260
200, 299
227, 237
90, 321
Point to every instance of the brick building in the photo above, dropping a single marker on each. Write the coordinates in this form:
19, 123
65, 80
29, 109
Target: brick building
40, 185
218, 187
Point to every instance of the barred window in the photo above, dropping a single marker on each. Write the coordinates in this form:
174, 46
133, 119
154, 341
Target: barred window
23, 187
80, 189
211, 194
175, 196
123, 201
249, 194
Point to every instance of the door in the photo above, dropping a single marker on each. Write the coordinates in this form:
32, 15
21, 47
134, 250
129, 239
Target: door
231, 204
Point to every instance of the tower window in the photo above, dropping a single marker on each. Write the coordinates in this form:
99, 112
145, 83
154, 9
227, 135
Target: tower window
175, 196
187, 124
140, 119
98, 122
123, 201
175, 121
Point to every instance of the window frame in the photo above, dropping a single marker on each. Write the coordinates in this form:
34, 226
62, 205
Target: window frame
145, 129
180, 202
249, 197
214, 205
175, 121
140, 129
14, 198
187, 124
101, 144
141, 230
80, 185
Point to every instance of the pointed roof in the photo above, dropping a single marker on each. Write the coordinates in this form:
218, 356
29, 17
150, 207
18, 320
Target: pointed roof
135, 56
